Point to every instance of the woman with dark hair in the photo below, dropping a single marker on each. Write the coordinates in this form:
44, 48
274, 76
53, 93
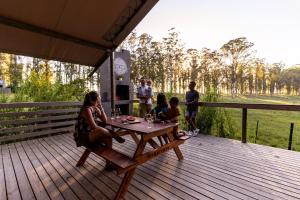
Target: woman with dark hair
87, 131
161, 108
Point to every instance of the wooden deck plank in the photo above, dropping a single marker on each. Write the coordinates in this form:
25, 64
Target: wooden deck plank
71, 181
267, 171
187, 179
273, 161
83, 179
90, 172
277, 187
49, 185
217, 176
273, 188
59, 182
257, 163
264, 185
36, 184
215, 168
248, 167
22, 178
285, 184
12, 188
182, 181
178, 184
136, 187
177, 189
223, 172
252, 150
2, 177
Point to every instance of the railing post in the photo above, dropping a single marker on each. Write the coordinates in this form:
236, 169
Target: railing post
291, 136
112, 80
244, 126
256, 132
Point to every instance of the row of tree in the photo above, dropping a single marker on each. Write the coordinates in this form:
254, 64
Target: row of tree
233, 69
16, 69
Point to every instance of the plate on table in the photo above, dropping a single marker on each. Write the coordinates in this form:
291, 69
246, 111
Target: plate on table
130, 118
134, 122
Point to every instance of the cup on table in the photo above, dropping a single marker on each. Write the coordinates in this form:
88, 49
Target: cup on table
112, 114
149, 119
117, 112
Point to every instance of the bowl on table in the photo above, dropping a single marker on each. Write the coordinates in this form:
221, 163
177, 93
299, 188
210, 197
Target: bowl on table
130, 118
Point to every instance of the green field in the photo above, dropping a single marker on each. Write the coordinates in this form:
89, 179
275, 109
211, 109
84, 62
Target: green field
274, 126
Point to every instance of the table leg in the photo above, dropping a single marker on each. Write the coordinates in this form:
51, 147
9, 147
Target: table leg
160, 140
176, 149
165, 139
128, 175
135, 138
83, 158
153, 144
124, 185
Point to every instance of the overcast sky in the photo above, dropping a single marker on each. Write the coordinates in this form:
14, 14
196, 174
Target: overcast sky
272, 25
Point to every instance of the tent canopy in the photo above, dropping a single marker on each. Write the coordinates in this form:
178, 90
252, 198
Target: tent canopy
75, 31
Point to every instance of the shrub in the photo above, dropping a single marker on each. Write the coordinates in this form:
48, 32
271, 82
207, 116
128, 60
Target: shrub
3, 98
38, 88
214, 120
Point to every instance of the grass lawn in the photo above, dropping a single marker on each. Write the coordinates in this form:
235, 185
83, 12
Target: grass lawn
274, 126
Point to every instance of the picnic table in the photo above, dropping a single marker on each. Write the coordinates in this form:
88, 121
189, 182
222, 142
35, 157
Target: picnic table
141, 134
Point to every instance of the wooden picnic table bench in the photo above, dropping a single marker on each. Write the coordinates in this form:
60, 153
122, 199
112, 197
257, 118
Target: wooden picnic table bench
142, 135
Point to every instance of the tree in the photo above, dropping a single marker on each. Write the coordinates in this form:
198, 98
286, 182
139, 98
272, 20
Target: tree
274, 76
157, 61
15, 70
236, 55
173, 51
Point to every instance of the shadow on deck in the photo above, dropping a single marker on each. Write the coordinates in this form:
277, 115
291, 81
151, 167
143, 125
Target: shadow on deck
213, 168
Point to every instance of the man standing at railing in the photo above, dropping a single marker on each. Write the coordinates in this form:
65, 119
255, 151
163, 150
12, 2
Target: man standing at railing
192, 98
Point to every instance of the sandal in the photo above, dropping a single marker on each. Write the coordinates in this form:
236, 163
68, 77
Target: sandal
181, 135
110, 167
119, 139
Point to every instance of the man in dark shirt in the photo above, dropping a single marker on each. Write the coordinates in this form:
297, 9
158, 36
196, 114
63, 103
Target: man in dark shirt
192, 98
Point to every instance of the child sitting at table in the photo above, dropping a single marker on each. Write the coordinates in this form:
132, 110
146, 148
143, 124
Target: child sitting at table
172, 116
161, 108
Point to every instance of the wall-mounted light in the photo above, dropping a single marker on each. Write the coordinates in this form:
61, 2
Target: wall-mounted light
120, 78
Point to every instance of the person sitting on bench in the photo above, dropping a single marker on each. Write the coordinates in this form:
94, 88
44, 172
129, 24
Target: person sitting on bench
87, 131
172, 115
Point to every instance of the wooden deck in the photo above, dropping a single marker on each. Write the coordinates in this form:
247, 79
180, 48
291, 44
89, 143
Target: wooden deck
214, 168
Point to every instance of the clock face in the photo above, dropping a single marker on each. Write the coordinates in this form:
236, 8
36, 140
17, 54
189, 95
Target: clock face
120, 66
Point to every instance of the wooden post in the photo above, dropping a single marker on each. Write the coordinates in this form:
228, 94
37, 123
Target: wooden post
244, 126
256, 132
291, 136
112, 80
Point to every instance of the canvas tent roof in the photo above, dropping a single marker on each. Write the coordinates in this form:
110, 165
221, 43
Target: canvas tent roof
76, 31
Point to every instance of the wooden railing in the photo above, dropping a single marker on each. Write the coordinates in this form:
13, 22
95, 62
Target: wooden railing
26, 120
246, 106
19, 121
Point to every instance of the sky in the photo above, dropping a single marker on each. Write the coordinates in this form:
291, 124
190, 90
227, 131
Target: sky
272, 25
